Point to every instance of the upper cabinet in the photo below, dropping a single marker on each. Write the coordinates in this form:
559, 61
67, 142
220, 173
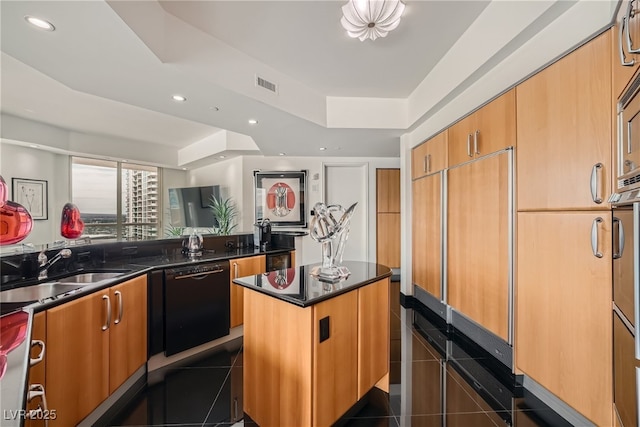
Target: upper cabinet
388, 190
565, 130
430, 156
626, 45
489, 129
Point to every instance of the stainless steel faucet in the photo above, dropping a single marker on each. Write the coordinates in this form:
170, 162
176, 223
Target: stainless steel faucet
44, 264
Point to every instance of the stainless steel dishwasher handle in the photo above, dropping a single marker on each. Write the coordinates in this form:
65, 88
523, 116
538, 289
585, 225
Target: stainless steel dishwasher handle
39, 357
120, 307
198, 276
108, 321
595, 181
594, 237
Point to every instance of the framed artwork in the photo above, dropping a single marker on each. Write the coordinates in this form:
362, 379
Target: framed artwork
32, 194
281, 197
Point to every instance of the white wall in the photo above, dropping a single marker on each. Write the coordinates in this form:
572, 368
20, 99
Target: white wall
24, 162
240, 188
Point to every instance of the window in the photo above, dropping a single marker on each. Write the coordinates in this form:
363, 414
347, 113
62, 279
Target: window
102, 188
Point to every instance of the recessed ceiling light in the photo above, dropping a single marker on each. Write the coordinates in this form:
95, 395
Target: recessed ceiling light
178, 98
125, 161
214, 108
184, 169
223, 157
34, 145
282, 154
253, 122
40, 23
323, 148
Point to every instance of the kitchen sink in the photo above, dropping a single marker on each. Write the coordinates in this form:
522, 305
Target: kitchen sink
86, 278
55, 288
37, 292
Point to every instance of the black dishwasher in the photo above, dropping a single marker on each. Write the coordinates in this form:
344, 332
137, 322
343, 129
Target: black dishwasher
196, 305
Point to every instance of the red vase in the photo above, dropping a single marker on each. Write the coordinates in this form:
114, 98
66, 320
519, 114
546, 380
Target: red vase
15, 221
71, 225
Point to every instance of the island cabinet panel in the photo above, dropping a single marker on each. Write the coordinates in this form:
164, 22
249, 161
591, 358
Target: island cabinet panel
565, 132
277, 361
127, 337
242, 267
335, 358
478, 242
564, 325
430, 157
77, 374
373, 348
307, 366
426, 234
37, 372
485, 131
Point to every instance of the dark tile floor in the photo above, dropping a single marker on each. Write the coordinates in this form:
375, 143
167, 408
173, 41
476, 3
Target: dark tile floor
434, 382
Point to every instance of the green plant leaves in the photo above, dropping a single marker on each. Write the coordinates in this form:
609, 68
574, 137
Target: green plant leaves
225, 212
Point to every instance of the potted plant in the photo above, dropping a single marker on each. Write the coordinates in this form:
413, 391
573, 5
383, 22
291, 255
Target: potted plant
225, 213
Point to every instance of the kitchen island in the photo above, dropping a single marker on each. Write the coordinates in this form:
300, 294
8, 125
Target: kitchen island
313, 349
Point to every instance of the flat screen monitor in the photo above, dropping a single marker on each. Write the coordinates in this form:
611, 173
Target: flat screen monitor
189, 206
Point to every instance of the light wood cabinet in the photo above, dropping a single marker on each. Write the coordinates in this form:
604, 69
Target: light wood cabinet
478, 242
388, 217
388, 190
625, 391
286, 359
565, 132
622, 74
241, 267
426, 234
127, 335
430, 157
37, 371
84, 343
563, 327
485, 131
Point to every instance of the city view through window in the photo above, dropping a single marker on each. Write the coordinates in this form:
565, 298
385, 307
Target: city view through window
96, 190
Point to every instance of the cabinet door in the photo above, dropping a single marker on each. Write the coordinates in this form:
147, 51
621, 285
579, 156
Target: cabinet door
128, 334
426, 239
563, 328
489, 129
388, 190
622, 74
565, 130
37, 371
242, 267
335, 381
77, 374
431, 156
477, 246
373, 348
388, 239
624, 373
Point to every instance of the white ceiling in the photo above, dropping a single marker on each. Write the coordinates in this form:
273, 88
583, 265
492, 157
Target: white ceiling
110, 69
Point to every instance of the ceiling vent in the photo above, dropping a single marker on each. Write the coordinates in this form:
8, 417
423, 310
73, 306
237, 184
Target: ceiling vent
272, 87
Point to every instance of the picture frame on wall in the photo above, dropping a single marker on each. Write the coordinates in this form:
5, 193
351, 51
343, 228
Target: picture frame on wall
281, 197
33, 195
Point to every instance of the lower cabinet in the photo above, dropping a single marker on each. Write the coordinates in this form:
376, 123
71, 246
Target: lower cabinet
94, 344
241, 267
289, 355
564, 324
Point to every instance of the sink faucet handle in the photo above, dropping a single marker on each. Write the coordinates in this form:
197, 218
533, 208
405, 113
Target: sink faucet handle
65, 253
42, 258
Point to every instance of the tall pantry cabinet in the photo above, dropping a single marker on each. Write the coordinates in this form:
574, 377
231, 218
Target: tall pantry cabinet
564, 260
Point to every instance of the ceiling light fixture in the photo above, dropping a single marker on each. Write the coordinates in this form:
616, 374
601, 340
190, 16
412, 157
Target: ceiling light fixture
178, 98
223, 157
370, 19
323, 148
253, 122
40, 23
282, 154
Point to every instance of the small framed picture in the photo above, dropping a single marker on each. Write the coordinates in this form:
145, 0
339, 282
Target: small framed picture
32, 194
281, 197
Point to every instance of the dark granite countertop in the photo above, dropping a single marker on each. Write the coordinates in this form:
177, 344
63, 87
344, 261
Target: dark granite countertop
297, 285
